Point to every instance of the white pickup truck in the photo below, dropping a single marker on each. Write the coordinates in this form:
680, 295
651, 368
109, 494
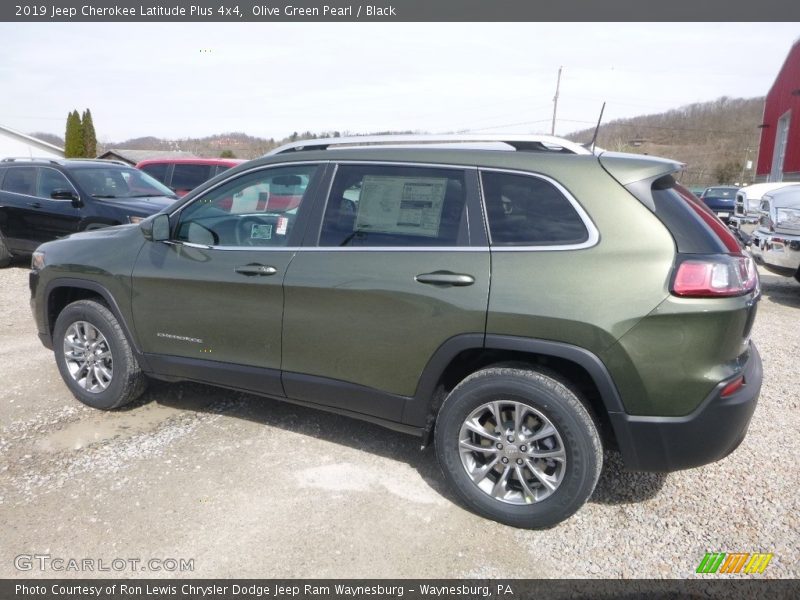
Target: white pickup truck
776, 240
748, 203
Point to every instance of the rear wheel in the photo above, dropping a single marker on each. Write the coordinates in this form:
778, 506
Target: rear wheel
518, 447
94, 357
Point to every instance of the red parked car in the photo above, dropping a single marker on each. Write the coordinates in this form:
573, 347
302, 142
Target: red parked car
182, 175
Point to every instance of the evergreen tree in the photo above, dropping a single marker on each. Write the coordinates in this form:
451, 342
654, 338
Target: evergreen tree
73, 138
227, 154
89, 136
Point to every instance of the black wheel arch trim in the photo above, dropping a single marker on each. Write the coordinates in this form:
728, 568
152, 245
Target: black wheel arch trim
447, 352
99, 289
420, 410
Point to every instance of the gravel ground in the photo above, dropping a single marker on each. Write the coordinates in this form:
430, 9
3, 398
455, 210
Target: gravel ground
248, 487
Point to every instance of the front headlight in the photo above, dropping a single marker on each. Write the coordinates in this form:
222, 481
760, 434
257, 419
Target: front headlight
37, 261
787, 218
133, 219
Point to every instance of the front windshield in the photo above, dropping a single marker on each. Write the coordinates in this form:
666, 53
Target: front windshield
119, 182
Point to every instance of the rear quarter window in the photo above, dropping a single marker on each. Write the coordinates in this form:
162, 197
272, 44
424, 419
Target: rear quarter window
525, 210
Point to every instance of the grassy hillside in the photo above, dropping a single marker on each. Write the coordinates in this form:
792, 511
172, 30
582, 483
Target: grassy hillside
714, 139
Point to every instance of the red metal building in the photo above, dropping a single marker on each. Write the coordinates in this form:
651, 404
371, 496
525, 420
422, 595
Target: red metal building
779, 151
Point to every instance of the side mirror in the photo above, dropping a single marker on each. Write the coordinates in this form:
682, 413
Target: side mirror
65, 194
156, 229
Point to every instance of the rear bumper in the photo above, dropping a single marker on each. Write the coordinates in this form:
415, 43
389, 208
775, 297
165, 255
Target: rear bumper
709, 433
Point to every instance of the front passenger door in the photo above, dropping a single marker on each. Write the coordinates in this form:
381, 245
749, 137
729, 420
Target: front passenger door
209, 303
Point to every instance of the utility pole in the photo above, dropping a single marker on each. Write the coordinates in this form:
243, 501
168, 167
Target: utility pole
555, 102
744, 167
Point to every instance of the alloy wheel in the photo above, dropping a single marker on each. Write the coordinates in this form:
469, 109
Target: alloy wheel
88, 357
512, 452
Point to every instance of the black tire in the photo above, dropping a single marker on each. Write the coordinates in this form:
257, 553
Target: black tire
527, 500
5, 253
126, 381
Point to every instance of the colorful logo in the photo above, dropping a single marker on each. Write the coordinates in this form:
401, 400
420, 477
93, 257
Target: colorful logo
721, 562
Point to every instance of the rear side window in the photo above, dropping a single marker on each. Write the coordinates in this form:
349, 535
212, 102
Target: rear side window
386, 205
525, 210
159, 171
20, 180
188, 177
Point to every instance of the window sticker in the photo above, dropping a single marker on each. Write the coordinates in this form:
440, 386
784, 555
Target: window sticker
261, 231
406, 205
283, 224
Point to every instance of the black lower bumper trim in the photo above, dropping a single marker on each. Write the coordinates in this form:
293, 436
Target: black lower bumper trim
710, 433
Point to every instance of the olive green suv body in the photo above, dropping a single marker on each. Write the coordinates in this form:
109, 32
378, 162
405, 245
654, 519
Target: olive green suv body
524, 303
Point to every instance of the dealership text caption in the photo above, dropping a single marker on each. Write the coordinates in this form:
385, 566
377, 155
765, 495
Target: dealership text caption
65, 13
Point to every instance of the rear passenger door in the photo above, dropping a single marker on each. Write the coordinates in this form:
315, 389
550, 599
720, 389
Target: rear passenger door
540, 238
17, 193
397, 263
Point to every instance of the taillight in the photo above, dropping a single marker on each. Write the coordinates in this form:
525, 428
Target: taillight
714, 276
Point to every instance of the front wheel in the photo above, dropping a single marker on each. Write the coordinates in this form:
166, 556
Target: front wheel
94, 357
518, 447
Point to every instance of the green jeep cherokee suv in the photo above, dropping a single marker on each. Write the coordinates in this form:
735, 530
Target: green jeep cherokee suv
521, 301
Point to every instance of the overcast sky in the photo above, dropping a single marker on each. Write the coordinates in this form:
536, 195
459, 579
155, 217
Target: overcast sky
194, 79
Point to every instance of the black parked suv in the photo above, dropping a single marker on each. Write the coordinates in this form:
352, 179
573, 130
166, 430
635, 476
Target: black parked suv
522, 304
44, 199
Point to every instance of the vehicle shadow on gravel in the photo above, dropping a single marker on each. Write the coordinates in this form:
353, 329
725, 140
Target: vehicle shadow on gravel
781, 290
618, 486
330, 427
615, 486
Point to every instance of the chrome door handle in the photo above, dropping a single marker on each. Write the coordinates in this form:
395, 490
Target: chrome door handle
35, 204
251, 270
445, 278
